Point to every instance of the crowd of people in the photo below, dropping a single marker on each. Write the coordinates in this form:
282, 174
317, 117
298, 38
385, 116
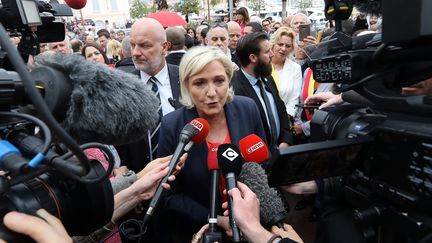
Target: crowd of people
243, 76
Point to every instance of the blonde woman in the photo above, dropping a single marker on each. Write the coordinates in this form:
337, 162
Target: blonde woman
286, 73
114, 51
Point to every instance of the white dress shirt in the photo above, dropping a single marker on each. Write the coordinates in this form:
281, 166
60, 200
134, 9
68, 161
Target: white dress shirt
164, 87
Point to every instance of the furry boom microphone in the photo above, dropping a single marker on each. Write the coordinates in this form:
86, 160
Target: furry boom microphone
94, 102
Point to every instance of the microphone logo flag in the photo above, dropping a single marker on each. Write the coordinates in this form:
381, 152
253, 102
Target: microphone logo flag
198, 125
255, 147
230, 154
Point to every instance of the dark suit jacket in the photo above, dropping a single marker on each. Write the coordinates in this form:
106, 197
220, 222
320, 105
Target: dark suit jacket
174, 58
243, 87
136, 155
187, 203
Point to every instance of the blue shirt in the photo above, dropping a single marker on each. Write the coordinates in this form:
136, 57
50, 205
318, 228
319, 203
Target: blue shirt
254, 82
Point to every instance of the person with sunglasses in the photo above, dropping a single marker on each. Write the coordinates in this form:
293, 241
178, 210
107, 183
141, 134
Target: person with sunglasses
218, 36
242, 18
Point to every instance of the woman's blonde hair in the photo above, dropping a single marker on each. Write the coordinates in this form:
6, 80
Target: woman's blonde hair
114, 48
194, 61
283, 31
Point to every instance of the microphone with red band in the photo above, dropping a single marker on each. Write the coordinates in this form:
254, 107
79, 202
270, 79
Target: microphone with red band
272, 209
192, 133
213, 234
76, 4
254, 149
203, 128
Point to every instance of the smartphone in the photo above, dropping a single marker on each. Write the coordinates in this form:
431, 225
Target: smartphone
304, 31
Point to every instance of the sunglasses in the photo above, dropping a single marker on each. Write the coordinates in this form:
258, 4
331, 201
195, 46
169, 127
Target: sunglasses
219, 24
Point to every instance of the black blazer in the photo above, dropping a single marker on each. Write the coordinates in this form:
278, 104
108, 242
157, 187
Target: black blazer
187, 204
136, 155
174, 58
243, 87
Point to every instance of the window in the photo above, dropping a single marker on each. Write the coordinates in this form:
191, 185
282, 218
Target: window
95, 5
113, 4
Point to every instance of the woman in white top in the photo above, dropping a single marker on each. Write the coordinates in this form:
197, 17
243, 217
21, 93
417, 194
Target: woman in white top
286, 73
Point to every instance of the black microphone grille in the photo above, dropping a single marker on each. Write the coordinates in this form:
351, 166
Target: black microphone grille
229, 159
272, 209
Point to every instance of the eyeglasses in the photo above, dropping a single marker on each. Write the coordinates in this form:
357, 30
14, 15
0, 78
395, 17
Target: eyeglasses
299, 22
216, 38
219, 24
234, 35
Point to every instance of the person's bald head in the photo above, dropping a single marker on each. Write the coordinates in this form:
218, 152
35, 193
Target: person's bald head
148, 45
175, 37
234, 34
148, 27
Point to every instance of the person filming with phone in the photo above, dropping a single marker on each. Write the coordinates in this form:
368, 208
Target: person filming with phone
300, 23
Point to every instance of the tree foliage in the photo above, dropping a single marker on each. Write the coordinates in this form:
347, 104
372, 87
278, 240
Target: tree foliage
256, 5
188, 6
139, 10
303, 4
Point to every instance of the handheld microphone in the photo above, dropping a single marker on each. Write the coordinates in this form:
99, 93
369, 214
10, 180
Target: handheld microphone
272, 210
212, 165
212, 234
254, 149
76, 4
230, 164
94, 102
187, 135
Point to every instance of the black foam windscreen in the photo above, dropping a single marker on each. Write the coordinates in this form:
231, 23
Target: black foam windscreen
95, 102
229, 159
272, 210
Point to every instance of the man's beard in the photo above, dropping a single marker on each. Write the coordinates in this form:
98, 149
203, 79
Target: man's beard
263, 69
149, 66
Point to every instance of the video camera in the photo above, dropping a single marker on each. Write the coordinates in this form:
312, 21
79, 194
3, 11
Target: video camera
35, 21
36, 170
380, 143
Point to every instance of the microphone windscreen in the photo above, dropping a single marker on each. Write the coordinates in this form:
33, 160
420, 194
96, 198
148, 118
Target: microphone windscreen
106, 105
203, 127
272, 210
229, 159
254, 149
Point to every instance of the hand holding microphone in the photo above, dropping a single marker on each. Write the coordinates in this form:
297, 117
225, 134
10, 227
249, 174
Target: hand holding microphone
193, 133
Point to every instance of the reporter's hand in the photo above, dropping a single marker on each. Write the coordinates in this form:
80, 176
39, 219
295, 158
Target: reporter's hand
420, 88
145, 187
308, 187
289, 232
120, 170
325, 98
49, 231
310, 40
283, 145
223, 222
155, 163
198, 237
246, 213
298, 129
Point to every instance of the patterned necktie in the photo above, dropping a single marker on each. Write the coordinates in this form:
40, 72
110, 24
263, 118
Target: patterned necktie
154, 135
263, 88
